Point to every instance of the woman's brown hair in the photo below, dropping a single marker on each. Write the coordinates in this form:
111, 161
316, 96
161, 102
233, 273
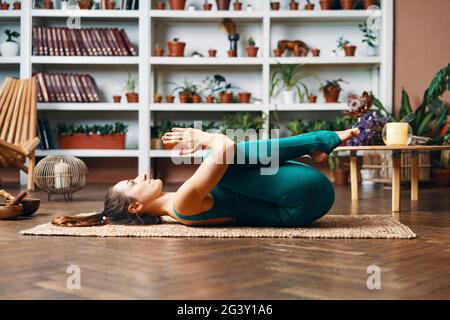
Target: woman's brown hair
115, 212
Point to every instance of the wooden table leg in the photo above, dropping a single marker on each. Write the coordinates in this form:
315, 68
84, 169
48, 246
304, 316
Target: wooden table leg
396, 176
354, 175
414, 176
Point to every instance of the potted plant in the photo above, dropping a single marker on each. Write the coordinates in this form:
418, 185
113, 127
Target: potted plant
176, 48
109, 136
196, 98
277, 52
311, 97
212, 52
340, 173
346, 45
290, 76
315, 52
185, 91
4, 5
170, 99
157, 98
17, 5
223, 4
117, 98
10, 48
309, 5
275, 5
159, 52
110, 5
252, 50
177, 4
347, 4
242, 121
293, 5
370, 39
326, 4
244, 97
237, 5
83, 4
232, 53
297, 127
160, 5
331, 90
130, 89
157, 133
207, 6
210, 99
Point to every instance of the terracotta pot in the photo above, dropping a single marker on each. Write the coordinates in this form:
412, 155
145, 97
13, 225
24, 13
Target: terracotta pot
332, 95
159, 52
232, 53
244, 97
196, 99
170, 99
252, 51
210, 99
5, 6
441, 176
349, 51
177, 4
309, 6
156, 143
117, 99
226, 97
347, 4
132, 97
17, 5
315, 52
223, 4
297, 51
176, 48
212, 53
92, 141
341, 176
293, 6
277, 52
237, 6
86, 4
169, 146
367, 3
185, 97
110, 5
207, 6
157, 99
275, 5
326, 4
160, 5
312, 99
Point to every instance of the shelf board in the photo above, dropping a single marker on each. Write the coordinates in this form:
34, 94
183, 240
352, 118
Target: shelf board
310, 107
205, 61
55, 106
9, 60
173, 153
214, 15
10, 14
321, 15
327, 60
84, 60
89, 153
113, 14
205, 107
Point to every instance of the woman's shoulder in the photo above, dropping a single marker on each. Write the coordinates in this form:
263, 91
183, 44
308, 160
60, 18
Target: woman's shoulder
193, 207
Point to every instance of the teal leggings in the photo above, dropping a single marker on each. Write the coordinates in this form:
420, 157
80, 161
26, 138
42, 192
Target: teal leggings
296, 195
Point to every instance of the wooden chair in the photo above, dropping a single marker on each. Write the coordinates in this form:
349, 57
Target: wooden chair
18, 120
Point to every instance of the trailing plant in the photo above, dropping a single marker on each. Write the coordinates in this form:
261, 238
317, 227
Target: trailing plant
369, 36
107, 129
10, 35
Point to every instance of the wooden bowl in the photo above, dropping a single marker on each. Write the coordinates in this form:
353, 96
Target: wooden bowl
30, 206
10, 212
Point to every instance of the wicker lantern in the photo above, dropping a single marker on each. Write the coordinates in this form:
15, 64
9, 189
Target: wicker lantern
61, 175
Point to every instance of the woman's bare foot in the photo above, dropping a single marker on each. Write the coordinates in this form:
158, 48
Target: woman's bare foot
319, 156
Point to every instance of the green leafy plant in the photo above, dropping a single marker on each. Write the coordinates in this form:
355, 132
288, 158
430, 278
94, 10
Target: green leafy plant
131, 83
107, 129
242, 120
184, 88
342, 43
10, 35
332, 84
251, 42
297, 126
217, 83
369, 36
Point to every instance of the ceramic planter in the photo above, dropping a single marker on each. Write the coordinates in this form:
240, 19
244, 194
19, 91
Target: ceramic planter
371, 51
156, 143
244, 97
293, 6
331, 94
312, 99
252, 51
368, 3
347, 4
237, 6
110, 5
232, 53
207, 6
4, 6
210, 99
117, 99
223, 4
315, 52
170, 99
326, 4
132, 97
196, 99
341, 176
289, 97
226, 97
85, 4
176, 48
157, 99
9, 49
160, 6
177, 4
277, 52
212, 53
275, 6
17, 5
309, 6
185, 97
159, 52
92, 141
349, 51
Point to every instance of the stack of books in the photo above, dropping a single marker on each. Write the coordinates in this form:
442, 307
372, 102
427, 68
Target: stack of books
66, 87
45, 135
62, 41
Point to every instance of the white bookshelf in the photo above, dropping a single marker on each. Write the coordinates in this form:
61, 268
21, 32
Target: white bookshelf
199, 29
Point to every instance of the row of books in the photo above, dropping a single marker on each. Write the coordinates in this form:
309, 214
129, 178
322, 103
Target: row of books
63, 41
45, 135
66, 87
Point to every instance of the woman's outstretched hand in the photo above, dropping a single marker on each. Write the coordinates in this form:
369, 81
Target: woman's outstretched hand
187, 140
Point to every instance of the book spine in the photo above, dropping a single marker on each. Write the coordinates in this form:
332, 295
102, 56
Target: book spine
41, 81
102, 45
49, 88
91, 87
78, 97
105, 40
45, 41
77, 48
85, 43
65, 43
94, 41
122, 46
66, 89
60, 41
131, 50
51, 41
87, 97
48, 134
111, 39
59, 88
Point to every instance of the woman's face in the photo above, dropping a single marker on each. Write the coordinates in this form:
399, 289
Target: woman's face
143, 189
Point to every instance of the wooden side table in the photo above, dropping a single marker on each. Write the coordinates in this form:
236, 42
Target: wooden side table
396, 169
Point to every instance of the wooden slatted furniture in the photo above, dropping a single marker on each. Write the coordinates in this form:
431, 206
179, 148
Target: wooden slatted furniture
396, 169
18, 120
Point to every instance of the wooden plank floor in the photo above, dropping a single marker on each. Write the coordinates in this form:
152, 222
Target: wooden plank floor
207, 268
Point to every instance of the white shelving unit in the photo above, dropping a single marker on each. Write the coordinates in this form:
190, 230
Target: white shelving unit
199, 29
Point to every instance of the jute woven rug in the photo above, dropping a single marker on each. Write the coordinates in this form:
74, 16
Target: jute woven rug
330, 226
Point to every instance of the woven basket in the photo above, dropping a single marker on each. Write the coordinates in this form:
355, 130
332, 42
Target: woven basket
377, 166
